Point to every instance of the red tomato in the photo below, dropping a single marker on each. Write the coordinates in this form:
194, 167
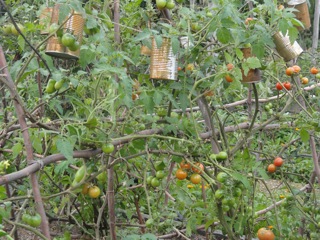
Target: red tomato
278, 161
279, 86
287, 85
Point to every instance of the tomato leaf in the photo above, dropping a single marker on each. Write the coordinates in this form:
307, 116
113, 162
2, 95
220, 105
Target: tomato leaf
175, 44
143, 35
224, 36
184, 101
157, 97
65, 147
148, 236
228, 57
305, 136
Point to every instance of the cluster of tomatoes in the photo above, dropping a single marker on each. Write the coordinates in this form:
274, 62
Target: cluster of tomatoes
191, 172
54, 85
162, 4
32, 220
155, 180
277, 162
90, 189
229, 191
66, 39
10, 29
294, 70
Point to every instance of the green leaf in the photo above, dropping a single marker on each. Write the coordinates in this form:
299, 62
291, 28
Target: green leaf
184, 101
148, 102
132, 237
304, 134
253, 62
158, 40
228, 57
16, 149
157, 97
241, 178
65, 147
149, 236
91, 22
175, 44
21, 42
143, 35
224, 36
239, 53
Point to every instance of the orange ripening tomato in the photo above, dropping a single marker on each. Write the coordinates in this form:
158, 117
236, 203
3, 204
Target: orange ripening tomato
289, 71
185, 165
228, 78
181, 174
195, 178
296, 69
272, 168
265, 234
248, 20
198, 168
304, 80
230, 66
314, 70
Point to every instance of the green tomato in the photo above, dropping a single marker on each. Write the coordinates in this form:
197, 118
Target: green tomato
68, 40
209, 14
14, 31
155, 182
80, 174
222, 177
237, 192
174, 115
161, 112
149, 179
160, 174
219, 194
35, 220
7, 29
88, 101
170, 4
149, 223
107, 148
318, 75
75, 46
58, 85
222, 156
26, 218
50, 86
161, 4
213, 156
